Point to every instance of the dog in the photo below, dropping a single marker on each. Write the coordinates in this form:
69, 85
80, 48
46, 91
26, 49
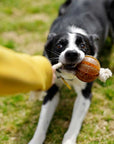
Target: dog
80, 29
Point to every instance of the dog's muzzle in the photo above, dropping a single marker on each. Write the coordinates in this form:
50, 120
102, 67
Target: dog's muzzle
72, 58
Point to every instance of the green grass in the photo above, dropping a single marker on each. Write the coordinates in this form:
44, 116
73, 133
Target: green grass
24, 26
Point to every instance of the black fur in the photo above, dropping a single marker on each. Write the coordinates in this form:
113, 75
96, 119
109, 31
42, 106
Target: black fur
53, 46
50, 94
109, 5
88, 45
89, 15
87, 91
93, 16
69, 46
64, 7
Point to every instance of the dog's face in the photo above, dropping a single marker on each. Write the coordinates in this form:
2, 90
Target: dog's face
69, 48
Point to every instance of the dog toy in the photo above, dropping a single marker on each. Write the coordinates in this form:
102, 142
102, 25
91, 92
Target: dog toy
89, 69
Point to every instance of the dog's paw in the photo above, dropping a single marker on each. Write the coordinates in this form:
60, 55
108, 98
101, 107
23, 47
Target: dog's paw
37, 139
69, 141
69, 138
104, 74
33, 142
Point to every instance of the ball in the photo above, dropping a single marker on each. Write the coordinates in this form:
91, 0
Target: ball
88, 69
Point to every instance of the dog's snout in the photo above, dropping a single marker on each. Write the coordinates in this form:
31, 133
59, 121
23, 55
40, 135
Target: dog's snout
71, 55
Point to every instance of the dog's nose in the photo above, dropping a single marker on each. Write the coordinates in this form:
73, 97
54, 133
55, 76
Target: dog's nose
71, 55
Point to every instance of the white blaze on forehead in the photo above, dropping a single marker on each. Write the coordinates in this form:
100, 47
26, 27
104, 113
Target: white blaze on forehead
71, 40
72, 47
73, 29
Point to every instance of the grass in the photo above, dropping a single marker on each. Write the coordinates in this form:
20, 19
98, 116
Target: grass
24, 27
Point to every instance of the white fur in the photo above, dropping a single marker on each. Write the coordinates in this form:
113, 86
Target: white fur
47, 112
71, 46
73, 29
104, 74
80, 109
72, 80
81, 105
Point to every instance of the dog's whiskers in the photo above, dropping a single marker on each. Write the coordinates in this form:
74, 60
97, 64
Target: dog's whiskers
57, 54
53, 58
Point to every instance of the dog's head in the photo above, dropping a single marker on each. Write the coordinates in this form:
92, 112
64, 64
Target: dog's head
69, 48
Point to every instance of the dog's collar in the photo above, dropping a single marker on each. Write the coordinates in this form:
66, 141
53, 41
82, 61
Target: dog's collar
64, 78
64, 81
59, 75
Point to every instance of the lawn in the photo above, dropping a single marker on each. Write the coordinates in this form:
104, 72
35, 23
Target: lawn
24, 26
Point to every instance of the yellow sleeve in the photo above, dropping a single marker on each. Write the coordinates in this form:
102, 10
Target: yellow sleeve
22, 73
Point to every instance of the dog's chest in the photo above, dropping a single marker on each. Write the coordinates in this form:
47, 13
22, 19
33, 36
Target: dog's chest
71, 79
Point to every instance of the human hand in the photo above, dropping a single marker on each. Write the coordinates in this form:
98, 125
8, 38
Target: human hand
54, 76
54, 67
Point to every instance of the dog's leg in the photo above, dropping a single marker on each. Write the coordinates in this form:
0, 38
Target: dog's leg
48, 108
81, 107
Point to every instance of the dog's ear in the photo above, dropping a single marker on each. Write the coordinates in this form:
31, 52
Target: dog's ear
51, 36
49, 39
49, 44
93, 39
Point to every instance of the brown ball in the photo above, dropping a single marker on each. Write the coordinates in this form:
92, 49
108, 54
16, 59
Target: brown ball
88, 69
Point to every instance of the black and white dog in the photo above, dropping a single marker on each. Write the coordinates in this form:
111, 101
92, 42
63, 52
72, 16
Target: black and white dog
80, 29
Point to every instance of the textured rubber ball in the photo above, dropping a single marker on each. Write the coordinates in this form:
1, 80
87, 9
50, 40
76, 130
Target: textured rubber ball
88, 69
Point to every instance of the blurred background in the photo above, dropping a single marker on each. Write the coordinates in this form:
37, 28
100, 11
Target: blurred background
24, 26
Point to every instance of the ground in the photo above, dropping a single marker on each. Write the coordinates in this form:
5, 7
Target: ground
24, 25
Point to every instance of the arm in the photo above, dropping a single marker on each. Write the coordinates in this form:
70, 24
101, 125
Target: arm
23, 73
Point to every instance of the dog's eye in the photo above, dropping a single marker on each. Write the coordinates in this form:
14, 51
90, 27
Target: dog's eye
82, 46
59, 46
